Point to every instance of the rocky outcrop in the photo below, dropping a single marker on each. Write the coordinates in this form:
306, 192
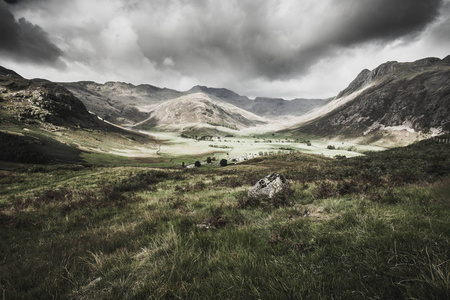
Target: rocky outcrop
39, 100
270, 187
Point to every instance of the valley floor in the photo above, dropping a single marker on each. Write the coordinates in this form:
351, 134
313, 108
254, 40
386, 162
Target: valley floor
368, 227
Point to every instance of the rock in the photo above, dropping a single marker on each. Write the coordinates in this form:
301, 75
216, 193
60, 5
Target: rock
269, 187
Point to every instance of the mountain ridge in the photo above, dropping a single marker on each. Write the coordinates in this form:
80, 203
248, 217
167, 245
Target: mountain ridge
127, 104
413, 97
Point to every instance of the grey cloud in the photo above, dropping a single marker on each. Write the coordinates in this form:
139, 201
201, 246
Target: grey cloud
23, 41
230, 43
250, 40
384, 20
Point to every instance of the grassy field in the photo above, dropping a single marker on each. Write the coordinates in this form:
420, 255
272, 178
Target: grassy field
368, 227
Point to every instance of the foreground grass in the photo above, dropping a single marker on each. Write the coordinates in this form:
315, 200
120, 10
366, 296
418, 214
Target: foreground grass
376, 227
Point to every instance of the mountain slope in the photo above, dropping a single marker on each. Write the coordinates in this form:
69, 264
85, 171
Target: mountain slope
118, 102
42, 122
199, 109
278, 107
43, 102
395, 97
272, 108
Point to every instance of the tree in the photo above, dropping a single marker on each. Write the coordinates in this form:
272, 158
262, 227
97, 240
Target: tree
224, 162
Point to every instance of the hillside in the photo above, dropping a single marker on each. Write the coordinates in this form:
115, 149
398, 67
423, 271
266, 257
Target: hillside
43, 102
198, 109
402, 101
382, 221
42, 122
118, 102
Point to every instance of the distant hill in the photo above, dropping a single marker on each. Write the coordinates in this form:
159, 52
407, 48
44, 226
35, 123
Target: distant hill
198, 109
278, 107
409, 98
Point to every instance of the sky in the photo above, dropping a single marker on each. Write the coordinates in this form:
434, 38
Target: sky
274, 48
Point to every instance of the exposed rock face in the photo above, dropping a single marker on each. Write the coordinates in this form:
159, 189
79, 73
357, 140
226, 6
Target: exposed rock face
269, 187
395, 96
39, 100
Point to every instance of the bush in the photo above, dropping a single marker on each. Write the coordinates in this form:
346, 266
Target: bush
208, 160
331, 147
197, 164
223, 162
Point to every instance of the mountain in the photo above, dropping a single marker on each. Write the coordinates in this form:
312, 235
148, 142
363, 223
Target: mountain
118, 102
278, 107
196, 110
223, 94
127, 104
406, 99
43, 122
40, 101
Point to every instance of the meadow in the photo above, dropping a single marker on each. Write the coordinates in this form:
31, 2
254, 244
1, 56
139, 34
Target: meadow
375, 226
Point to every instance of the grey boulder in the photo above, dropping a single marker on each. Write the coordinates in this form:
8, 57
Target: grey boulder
269, 187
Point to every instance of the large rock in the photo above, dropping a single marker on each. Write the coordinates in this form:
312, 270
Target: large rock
269, 187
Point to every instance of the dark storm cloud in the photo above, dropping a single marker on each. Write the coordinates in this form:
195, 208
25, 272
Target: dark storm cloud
23, 41
249, 36
248, 44
384, 20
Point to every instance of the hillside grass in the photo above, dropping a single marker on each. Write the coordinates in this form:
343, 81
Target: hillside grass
372, 227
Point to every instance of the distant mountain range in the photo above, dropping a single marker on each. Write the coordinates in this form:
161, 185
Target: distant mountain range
127, 104
408, 98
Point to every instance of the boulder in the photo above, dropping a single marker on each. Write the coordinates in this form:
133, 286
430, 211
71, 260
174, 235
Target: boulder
269, 187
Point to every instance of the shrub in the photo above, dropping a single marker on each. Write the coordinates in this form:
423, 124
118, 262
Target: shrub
197, 164
223, 162
208, 160
331, 147
326, 189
